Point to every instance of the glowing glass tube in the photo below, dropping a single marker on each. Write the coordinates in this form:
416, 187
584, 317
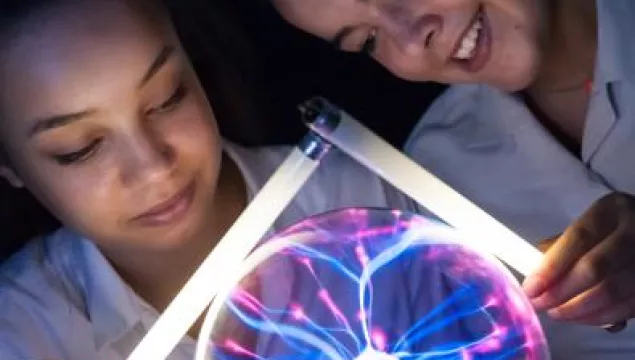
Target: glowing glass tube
227, 257
487, 233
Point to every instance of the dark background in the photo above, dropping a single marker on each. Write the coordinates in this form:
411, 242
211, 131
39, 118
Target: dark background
256, 69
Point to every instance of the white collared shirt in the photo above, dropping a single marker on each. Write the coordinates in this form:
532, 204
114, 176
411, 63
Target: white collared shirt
487, 145
60, 299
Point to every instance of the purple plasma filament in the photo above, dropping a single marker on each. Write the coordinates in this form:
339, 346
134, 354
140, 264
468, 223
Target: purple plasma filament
366, 287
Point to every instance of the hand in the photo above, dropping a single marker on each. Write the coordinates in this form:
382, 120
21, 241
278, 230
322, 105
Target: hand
588, 274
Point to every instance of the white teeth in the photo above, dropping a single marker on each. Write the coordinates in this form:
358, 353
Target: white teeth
469, 41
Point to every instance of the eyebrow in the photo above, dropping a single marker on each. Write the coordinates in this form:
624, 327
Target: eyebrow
160, 61
57, 121
340, 36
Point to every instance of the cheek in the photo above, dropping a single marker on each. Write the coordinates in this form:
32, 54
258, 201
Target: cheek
86, 200
521, 11
91, 200
409, 66
519, 64
517, 21
194, 133
516, 51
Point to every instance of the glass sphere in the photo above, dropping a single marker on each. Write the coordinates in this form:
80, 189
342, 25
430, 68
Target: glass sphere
372, 284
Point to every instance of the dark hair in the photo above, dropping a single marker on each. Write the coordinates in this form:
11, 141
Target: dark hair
22, 217
229, 67
16, 10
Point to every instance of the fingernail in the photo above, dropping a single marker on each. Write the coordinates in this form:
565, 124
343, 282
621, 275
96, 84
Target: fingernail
555, 313
533, 287
539, 303
616, 328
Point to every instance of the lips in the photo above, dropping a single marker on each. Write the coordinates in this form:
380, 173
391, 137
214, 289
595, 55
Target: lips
170, 210
473, 48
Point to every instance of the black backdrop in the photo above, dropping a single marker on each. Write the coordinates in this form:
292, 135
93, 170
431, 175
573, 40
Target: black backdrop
256, 69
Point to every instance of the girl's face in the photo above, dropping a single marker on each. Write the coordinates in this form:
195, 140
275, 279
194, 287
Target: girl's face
448, 41
104, 121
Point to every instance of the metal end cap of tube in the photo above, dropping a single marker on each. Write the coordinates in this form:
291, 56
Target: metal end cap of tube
314, 146
319, 114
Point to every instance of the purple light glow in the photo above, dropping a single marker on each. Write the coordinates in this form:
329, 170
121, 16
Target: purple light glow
377, 285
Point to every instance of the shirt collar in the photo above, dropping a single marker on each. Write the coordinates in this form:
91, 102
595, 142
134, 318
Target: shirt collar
114, 309
615, 55
235, 153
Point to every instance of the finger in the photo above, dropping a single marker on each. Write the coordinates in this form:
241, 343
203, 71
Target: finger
605, 298
611, 315
596, 265
561, 257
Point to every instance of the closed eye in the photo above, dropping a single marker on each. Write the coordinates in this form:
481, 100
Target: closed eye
173, 101
79, 155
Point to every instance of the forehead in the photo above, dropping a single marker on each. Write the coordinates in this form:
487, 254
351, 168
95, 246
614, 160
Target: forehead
62, 59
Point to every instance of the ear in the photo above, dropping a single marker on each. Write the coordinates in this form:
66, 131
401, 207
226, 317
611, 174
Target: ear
11, 177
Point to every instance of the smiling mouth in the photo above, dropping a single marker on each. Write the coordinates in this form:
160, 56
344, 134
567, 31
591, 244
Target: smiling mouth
473, 48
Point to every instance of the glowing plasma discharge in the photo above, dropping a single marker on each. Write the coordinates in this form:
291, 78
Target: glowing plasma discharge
373, 284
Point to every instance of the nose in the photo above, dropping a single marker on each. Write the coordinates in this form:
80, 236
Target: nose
148, 159
412, 29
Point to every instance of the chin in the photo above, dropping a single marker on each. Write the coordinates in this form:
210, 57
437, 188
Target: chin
167, 241
175, 237
514, 84
518, 70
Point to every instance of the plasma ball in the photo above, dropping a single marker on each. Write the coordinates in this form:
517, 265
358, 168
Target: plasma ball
371, 284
